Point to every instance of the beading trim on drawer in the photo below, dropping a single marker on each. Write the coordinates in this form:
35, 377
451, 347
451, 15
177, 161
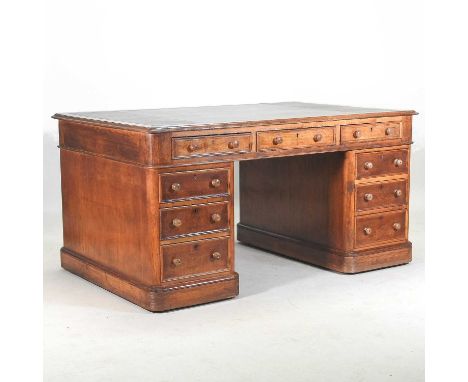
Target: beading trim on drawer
211, 145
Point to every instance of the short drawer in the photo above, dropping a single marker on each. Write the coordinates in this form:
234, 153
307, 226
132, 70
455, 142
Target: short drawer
378, 163
194, 184
195, 258
382, 194
380, 228
194, 220
294, 139
370, 131
187, 147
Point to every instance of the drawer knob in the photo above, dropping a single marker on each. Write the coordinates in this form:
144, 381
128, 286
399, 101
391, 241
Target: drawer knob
388, 131
216, 218
357, 134
396, 226
368, 197
367, 230
233, 144
397, 193
193, 147
398, 162
317, 137
176, 222
176, 262
216, 255
277, 140
216, 183
175, 186
368, 165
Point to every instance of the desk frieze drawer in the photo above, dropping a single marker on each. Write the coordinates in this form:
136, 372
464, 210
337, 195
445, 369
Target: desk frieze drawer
194, 220
380, 163
194, 184
297, 138
370, 131
382, 194
209, 145
195, 258
380, 228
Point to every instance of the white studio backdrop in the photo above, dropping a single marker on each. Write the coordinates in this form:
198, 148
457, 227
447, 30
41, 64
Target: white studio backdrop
110, 55
107, 55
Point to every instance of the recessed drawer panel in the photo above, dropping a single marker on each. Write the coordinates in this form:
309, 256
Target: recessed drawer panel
294, 139
380, 163
370, 131
382, 194
195, 258
380, 228
194, 220
193, 184
187, 147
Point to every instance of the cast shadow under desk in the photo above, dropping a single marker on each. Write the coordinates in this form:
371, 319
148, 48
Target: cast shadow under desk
62, 288
260, 270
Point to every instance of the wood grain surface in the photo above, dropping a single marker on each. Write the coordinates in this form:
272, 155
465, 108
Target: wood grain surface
148, 195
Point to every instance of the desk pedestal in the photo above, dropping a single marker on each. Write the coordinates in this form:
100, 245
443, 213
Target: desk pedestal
321, 209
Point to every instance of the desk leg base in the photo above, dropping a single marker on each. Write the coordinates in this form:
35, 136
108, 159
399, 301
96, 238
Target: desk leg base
153, 298
311, 253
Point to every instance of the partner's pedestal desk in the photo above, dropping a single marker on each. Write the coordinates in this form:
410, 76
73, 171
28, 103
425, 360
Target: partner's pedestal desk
148, 195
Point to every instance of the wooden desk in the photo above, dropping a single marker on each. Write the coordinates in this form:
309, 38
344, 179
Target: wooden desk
148, 195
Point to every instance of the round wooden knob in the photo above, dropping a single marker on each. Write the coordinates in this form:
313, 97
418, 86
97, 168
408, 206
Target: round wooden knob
388, 131
357, 134
368, 197
193, 147
176, 222
176, 262
215, 183
216, 255
233, 144
277, 140
175, 186
367, 230
368, 165
397, 193
216, 218
317, 137
398, 162
396, 226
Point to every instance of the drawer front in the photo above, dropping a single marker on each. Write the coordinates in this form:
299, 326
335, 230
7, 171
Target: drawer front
380, 163
211, 145
194, 220
382, 194
193, 184
370, 131
378, 228
195, 258
298, 138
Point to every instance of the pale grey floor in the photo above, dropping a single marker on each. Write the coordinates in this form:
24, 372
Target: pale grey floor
291, 322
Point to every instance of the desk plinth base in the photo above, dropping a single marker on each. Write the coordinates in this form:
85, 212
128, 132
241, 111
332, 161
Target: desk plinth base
153, 298
344, 262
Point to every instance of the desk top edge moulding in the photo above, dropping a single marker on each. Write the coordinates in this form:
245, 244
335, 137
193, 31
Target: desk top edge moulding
173, 119
148, 195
